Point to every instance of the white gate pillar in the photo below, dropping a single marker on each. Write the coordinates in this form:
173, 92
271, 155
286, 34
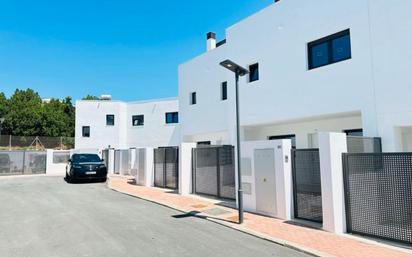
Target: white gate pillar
284, 182
185, 168
331, 147
110, 161
149, 167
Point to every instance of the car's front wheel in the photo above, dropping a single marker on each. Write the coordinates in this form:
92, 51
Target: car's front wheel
68, 178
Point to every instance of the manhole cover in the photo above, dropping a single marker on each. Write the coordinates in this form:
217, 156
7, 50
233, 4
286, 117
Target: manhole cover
216, 211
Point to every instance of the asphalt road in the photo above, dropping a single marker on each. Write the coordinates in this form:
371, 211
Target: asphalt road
45, 217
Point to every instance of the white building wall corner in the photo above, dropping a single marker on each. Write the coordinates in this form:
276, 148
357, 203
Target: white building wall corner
331, 148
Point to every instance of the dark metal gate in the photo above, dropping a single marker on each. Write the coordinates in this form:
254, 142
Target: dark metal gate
22, 162
378, 195
307, 191
166, 167
214, 171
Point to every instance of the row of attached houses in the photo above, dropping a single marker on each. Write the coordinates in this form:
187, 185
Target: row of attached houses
320, 72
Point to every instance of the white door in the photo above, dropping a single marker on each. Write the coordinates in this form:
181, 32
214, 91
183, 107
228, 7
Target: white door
264, 162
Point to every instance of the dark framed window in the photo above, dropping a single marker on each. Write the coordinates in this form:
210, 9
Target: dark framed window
254, 72
110, 120
224, 91
86, 131
193, 98
329, 50
291, 137
137, 120
172, 117
354, 132
204, 143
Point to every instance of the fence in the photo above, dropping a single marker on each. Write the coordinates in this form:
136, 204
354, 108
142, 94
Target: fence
214, 171
22, 162
378, 193
36, 142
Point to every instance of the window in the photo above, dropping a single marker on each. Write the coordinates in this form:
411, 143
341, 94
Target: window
329, 50
172, 117
292, 137
86, 131
110, 120
193, 99
224, 91
354, 132
204, 143
137, 120
254, 72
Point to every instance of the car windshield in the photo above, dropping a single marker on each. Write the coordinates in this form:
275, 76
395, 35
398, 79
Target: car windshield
80, 158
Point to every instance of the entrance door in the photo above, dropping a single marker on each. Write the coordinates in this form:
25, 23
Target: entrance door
265, 181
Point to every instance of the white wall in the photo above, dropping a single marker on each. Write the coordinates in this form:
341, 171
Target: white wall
375, 82
303, 128
93, 114
155, 132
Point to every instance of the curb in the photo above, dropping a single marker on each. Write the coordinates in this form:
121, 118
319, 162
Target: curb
250, 232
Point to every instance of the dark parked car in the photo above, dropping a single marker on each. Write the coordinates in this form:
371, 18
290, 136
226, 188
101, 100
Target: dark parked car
86, 167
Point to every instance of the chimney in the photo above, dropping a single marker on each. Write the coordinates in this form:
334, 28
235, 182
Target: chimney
211, 41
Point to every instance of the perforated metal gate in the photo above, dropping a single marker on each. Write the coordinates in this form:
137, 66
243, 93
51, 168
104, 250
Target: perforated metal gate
166, 167
307, 191
121, 162
378, 195
214, 171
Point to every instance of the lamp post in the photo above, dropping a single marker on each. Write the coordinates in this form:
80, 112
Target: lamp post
239, 72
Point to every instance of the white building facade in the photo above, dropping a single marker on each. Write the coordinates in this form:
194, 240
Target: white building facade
315, 67
106, 124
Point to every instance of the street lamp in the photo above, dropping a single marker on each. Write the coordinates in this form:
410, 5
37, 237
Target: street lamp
239, 72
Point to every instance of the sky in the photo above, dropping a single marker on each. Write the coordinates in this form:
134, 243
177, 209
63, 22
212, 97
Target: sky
130, 49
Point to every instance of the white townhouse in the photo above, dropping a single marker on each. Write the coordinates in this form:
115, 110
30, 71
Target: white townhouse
105, 124
315, 66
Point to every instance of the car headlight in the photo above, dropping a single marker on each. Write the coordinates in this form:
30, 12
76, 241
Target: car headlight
77, 166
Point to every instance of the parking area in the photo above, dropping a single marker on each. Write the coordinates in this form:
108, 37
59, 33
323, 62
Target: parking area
44, 216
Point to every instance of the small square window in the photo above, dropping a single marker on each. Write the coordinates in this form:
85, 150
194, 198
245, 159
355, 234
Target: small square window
86, 131
224, 91
137, 120
172, 117
110, 120
254, 72
193, 98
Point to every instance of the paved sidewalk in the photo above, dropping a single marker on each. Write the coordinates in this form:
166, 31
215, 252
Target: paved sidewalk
314, 241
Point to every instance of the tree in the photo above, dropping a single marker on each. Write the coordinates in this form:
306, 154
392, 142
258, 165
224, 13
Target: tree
27, 115
90, 97
3, 105
24, 113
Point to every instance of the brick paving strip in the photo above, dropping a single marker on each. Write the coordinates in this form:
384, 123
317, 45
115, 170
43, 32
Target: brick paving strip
309, 240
